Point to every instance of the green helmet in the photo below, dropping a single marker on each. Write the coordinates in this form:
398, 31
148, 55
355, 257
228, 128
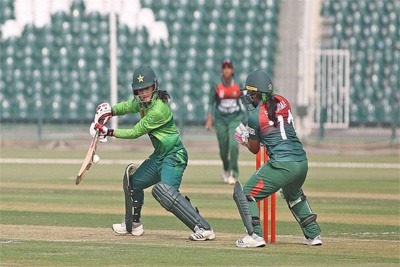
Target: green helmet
257, 83
143, 77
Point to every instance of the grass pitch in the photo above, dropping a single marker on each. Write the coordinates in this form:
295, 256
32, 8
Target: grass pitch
47, 220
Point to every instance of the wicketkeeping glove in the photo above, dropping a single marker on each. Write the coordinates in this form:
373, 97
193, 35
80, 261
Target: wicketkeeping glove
241, 135
103, 113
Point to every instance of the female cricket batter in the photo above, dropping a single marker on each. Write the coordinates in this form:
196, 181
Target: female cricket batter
271, 124
164, 168
225, 106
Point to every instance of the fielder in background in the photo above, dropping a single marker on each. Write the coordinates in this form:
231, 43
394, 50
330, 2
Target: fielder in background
271, 124
226, 109
164, 168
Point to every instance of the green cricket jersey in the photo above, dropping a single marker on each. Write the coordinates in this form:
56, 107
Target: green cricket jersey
281, 141
157, 121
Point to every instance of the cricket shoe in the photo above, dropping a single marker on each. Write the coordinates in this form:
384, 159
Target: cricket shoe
312, 242
201, 234
225, 176
231, 180
251, 241
120, 228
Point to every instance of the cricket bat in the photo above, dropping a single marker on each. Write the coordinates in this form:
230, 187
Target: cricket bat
88, 162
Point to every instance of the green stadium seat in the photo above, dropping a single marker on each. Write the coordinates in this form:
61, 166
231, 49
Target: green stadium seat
370, 28
90, 108
209, 6
77, 8
77, 25
7, 109
93, 20
3, 92
6, 10
52, 108
72, 52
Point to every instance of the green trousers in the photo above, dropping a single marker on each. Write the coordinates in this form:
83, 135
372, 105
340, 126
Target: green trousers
228, 147
157, 169
288, 176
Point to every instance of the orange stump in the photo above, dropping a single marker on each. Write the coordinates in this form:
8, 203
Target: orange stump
268, 215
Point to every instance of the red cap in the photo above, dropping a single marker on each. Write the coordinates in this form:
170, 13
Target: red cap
226, 63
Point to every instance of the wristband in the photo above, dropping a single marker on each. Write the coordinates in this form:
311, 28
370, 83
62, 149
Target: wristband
110, 132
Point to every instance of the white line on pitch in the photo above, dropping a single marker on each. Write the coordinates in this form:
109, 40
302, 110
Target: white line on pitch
200, 162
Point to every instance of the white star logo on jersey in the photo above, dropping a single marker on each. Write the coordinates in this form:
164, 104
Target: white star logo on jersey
140, 78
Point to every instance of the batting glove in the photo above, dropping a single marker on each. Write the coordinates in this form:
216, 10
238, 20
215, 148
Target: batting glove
103, 113
103, 131
241, 135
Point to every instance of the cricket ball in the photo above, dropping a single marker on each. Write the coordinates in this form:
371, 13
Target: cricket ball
96, 159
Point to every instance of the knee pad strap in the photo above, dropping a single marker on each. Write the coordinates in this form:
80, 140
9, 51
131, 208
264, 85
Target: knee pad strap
308, 220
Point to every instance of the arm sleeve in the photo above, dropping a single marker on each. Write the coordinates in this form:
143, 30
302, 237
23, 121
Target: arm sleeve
253, 128
151, 121
245, 112
212, 100
126, 107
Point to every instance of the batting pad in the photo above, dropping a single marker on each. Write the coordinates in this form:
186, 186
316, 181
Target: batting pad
243, 207
180, 206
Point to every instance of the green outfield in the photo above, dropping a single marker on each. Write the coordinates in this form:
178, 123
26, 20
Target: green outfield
47, 220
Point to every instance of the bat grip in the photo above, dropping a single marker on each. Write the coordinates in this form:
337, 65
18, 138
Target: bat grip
105, 121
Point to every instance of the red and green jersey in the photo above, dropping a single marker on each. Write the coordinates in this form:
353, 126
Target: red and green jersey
281, 141
224, 101
157, 121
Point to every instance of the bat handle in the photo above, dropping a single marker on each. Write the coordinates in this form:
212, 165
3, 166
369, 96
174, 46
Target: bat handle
106, 120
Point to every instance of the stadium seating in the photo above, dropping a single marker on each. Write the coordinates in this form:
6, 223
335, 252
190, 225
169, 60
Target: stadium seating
61, 70
369, 29
6, 11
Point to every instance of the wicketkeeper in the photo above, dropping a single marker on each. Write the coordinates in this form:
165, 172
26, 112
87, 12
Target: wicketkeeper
271, 124
164, 168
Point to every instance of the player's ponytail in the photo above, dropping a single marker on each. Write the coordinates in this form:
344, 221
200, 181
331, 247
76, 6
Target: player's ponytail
163, 95
270, 105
